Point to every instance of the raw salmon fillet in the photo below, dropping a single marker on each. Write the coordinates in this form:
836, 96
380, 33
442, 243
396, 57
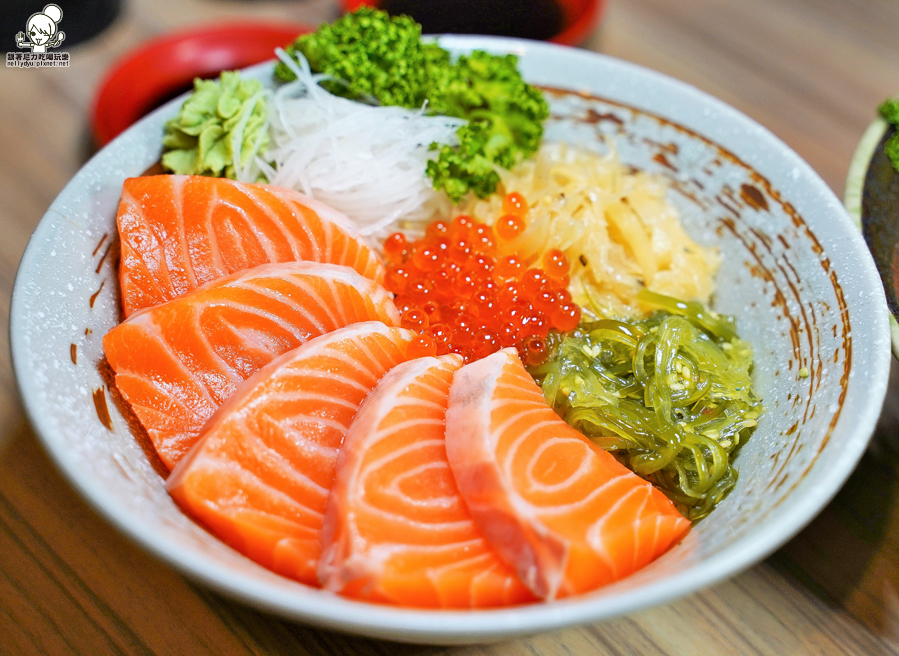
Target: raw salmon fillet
178, 232
563, 512
177, 362
396, 528
260, 474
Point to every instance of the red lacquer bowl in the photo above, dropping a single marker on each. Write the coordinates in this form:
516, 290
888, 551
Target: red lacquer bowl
163, 68
579, 18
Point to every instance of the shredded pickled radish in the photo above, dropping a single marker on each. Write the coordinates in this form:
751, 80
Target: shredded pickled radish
366, 161
616, 226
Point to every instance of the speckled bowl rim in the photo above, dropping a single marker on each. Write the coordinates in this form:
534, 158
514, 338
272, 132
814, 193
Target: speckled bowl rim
855, 183
461, 627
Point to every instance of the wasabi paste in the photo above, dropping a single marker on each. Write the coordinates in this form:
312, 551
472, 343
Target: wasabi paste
220, 119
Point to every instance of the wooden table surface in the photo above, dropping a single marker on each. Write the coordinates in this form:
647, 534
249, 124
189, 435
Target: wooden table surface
812, 71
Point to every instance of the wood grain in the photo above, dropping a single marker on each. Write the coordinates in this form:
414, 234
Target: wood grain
811, 71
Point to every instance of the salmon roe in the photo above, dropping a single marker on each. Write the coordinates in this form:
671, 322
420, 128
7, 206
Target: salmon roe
515, 203
452, 287
509, 226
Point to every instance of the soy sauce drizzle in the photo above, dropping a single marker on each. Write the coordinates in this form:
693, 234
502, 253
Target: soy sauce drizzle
102, 240
96, 293
103, 258
102, 408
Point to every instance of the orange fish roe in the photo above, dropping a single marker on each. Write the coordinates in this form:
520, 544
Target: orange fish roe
515, 203
451, 287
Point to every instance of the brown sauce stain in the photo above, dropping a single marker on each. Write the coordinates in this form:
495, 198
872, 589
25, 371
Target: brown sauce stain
753, 197
87, 331
728, 192
804, 323
102, 240
670, 147
134, 426
847, 364
94, 296
102, 408
759, 269
755, 271
73, 353
686, 193
844, 381
765, 239
792, 429
595, 118
783, 241
662, 159
723, 203
814, 334
103, 258
782, 480
808, 326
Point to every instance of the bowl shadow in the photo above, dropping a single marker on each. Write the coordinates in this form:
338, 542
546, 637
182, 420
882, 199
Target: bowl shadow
849, 555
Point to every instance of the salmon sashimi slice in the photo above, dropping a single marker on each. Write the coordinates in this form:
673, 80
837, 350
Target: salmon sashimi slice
396, 528
179, 232
563, 512
177, 362
260, 475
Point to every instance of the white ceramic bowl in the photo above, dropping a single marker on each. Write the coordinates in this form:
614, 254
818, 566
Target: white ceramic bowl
796, 274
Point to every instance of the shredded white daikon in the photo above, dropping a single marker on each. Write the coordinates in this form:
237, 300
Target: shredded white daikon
366, 161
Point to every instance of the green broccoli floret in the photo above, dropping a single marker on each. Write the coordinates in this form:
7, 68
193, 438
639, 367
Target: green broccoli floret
373, 55
488, 90
889, 110
891, 148
465, 168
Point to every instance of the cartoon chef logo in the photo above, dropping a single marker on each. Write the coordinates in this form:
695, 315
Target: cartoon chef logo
42, 30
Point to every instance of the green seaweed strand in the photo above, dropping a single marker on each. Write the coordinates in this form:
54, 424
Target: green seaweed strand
670, 396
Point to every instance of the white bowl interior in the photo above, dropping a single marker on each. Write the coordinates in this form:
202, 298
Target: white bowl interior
796, 274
